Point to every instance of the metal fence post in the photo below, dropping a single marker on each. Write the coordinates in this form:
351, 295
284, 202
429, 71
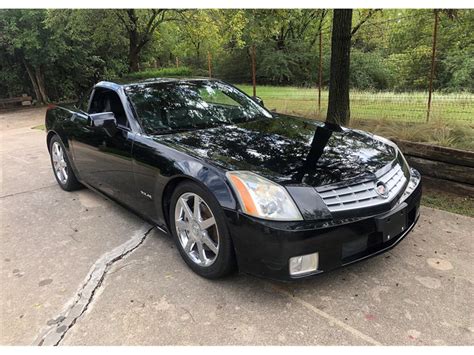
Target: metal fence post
433, 63
254, 71
209, 63
320, 68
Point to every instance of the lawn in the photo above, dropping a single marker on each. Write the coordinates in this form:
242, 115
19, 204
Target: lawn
394, 115
448, 202
409, 107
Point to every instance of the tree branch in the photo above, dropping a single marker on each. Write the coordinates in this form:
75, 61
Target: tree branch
364, 20
122, 19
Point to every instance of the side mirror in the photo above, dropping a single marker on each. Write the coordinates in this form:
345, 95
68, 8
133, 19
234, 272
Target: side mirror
106, 121
258, 100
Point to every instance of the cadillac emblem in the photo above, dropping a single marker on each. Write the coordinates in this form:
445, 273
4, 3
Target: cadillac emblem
381, 189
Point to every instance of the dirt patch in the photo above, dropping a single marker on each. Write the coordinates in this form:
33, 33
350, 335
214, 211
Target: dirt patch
22, 117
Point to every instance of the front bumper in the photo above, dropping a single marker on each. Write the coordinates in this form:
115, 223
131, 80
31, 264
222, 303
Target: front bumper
263, 248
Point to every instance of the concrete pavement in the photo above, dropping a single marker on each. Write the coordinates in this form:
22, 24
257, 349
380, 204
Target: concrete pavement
63, 278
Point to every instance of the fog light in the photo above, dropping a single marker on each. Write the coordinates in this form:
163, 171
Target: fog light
303, 264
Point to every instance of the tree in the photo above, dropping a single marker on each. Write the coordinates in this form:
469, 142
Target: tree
140, 25
339, 79
93, 47
27, 40
285, 41
57, 54
338, 106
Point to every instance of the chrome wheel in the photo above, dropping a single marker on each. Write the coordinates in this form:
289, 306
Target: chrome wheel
59, 163
196, 229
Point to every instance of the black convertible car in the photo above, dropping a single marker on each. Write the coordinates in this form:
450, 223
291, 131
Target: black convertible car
236, 185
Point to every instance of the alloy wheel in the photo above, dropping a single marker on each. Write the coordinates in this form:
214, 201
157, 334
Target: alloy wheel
59, 163
197, 229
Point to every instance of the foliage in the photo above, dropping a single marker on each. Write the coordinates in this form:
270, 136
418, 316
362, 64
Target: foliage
62, 52
369, 71
159, 73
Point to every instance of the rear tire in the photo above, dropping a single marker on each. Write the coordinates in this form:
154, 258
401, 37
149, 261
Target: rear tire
61, 166
201, 235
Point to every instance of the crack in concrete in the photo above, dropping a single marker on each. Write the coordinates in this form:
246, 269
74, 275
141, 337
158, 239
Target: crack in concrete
331, 319
28, 191
85, 294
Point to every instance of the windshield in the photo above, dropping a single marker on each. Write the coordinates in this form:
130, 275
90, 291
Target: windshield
172, 106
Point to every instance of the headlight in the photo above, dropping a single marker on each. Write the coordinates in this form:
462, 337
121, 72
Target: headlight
263, 198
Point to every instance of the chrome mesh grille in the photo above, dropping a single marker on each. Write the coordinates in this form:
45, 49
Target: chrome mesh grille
364, 194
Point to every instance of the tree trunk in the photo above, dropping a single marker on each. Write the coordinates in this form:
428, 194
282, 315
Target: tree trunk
39, 73
31, 74
133, 58
133, 50
338, 107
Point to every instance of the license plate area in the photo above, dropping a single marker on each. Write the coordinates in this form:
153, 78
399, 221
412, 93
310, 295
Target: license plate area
392, 223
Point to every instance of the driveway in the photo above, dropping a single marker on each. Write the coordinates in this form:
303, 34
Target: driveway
77, 269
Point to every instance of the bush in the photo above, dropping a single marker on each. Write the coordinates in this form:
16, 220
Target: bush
368, 71
159, 73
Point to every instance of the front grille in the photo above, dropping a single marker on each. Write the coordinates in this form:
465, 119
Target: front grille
364, 194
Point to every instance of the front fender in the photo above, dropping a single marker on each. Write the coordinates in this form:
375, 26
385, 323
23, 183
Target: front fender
208, 177
158, 168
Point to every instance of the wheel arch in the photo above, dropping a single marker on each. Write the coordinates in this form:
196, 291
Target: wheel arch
50, 136
168, 192
51, 133
225, 198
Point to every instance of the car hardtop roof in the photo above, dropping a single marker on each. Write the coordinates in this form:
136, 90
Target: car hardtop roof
119, 84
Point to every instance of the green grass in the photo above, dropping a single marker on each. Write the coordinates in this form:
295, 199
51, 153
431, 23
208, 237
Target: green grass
393, 115
408, 107
448, 202
40, 127
454, 134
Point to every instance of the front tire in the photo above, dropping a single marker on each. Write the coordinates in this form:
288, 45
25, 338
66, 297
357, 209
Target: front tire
200, 231
61, 166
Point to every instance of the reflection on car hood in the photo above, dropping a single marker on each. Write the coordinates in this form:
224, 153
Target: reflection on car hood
288, 150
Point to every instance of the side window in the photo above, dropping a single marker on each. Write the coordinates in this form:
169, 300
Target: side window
105, 100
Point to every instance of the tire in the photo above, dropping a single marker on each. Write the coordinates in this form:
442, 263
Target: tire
61, 166
219, 260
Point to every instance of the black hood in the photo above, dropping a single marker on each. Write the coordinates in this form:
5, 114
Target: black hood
288, 150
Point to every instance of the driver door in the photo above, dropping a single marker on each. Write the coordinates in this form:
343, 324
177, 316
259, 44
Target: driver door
103, 157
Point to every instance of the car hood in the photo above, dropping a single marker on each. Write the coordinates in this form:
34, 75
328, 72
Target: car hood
288, 150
